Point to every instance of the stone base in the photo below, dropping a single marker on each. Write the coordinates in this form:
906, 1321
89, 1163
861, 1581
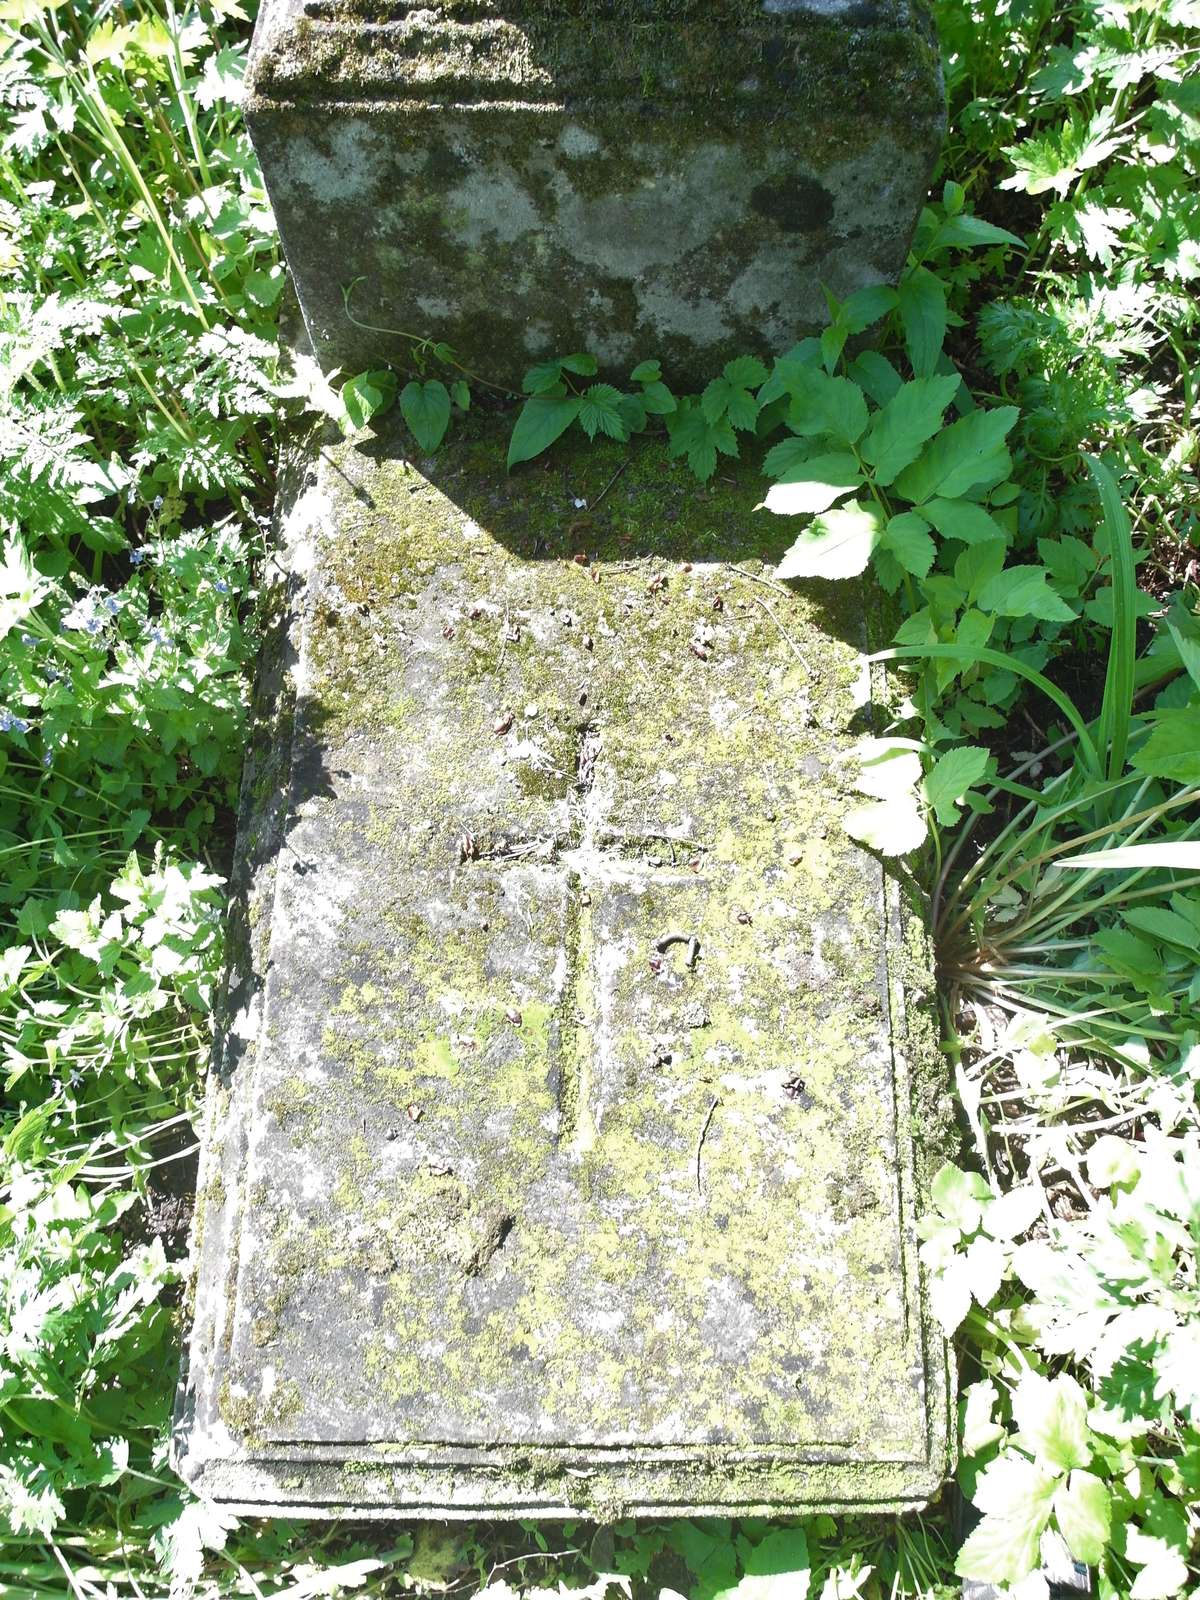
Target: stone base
558, 1157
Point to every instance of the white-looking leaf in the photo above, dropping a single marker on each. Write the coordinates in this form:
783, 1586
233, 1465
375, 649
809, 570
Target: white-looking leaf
1052, 1416
984, 1264
814, 485
837, 545
893, 827
887, 767
1164, 1571
1012, 1214
958, 1194
1084, 1512
1112, 1160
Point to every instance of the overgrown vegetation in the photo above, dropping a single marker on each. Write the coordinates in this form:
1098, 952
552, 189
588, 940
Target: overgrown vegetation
1015, 459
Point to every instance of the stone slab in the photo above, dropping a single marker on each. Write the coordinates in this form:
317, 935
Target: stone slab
680, 179
559, 1156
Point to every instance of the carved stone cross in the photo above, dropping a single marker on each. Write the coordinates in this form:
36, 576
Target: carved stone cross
563, 1163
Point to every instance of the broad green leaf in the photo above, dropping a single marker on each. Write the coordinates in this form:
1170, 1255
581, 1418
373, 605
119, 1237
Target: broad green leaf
646, 372
1052, 1416
831, 406
776, 1568
1164, 1571
912, 415
962, 519
543, 419
978, 565
952, 775
542, 378
967, 231
460, 393
1013, 1213
745, 372
866, 306
1016, 1498
907, 538
1024, 592
875, 375
658, 399
600, 412
923, 317
969, 454
584, 365
837, 545
426, 409
1173, 748
1166, 926
364, 396
1184, 629
814, 485
893, 827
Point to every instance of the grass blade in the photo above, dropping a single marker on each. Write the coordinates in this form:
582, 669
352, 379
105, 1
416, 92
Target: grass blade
1117, 705
1182, 855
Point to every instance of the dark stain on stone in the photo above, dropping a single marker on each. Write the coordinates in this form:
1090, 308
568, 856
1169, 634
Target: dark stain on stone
796, 205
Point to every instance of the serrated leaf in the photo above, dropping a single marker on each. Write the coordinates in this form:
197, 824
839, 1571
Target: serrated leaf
814, 485
962, 520
1173, 748
600, 412
822, 405
951, 776
1052, 1416
1024, 591
426, 409
745, 372
1083, 1509
837, 545
543, 419
923, 317
542, 378
912, 415
969, 454
907, 538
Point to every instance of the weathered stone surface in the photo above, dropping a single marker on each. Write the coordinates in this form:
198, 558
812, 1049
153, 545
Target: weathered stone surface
560, 1156
521, 178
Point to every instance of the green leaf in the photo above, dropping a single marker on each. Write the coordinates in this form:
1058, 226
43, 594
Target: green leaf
426, 409
907, 538
837, 545
542, 378
367, 395
968, 231
1024, 592
691, 434
866, 306
658, 399
646, 372
912, 415
958, 1196
542, 420
776, 1568
1016, 1498
969, 454
745, 372
923, 317
823, 405
875, 376
584, 365
1052, 1416
722, 399
814, 485
952, 775
600, 412
460, 393
962, 520
1173, 748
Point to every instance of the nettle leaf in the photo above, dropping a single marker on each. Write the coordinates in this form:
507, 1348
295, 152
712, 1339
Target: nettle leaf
837, 545
745, 372
1083, 1509
969, 454
693, 435
543, 419
1016, 1497
600, 412
912, 415
962, 520
426, 409
907, 538
1052, 1416
1024, 591
950, 778
923, 318
967, 231
813, 485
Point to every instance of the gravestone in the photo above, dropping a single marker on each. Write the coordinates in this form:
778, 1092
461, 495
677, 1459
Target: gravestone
559, 1156
680, 179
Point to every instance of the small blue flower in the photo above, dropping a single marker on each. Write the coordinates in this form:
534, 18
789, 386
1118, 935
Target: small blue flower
28, 640
48, 758
221, 586
159, 636
136, 557
11, 723
111, 604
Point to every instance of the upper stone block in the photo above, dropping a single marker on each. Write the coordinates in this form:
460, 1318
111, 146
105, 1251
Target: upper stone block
670, 178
